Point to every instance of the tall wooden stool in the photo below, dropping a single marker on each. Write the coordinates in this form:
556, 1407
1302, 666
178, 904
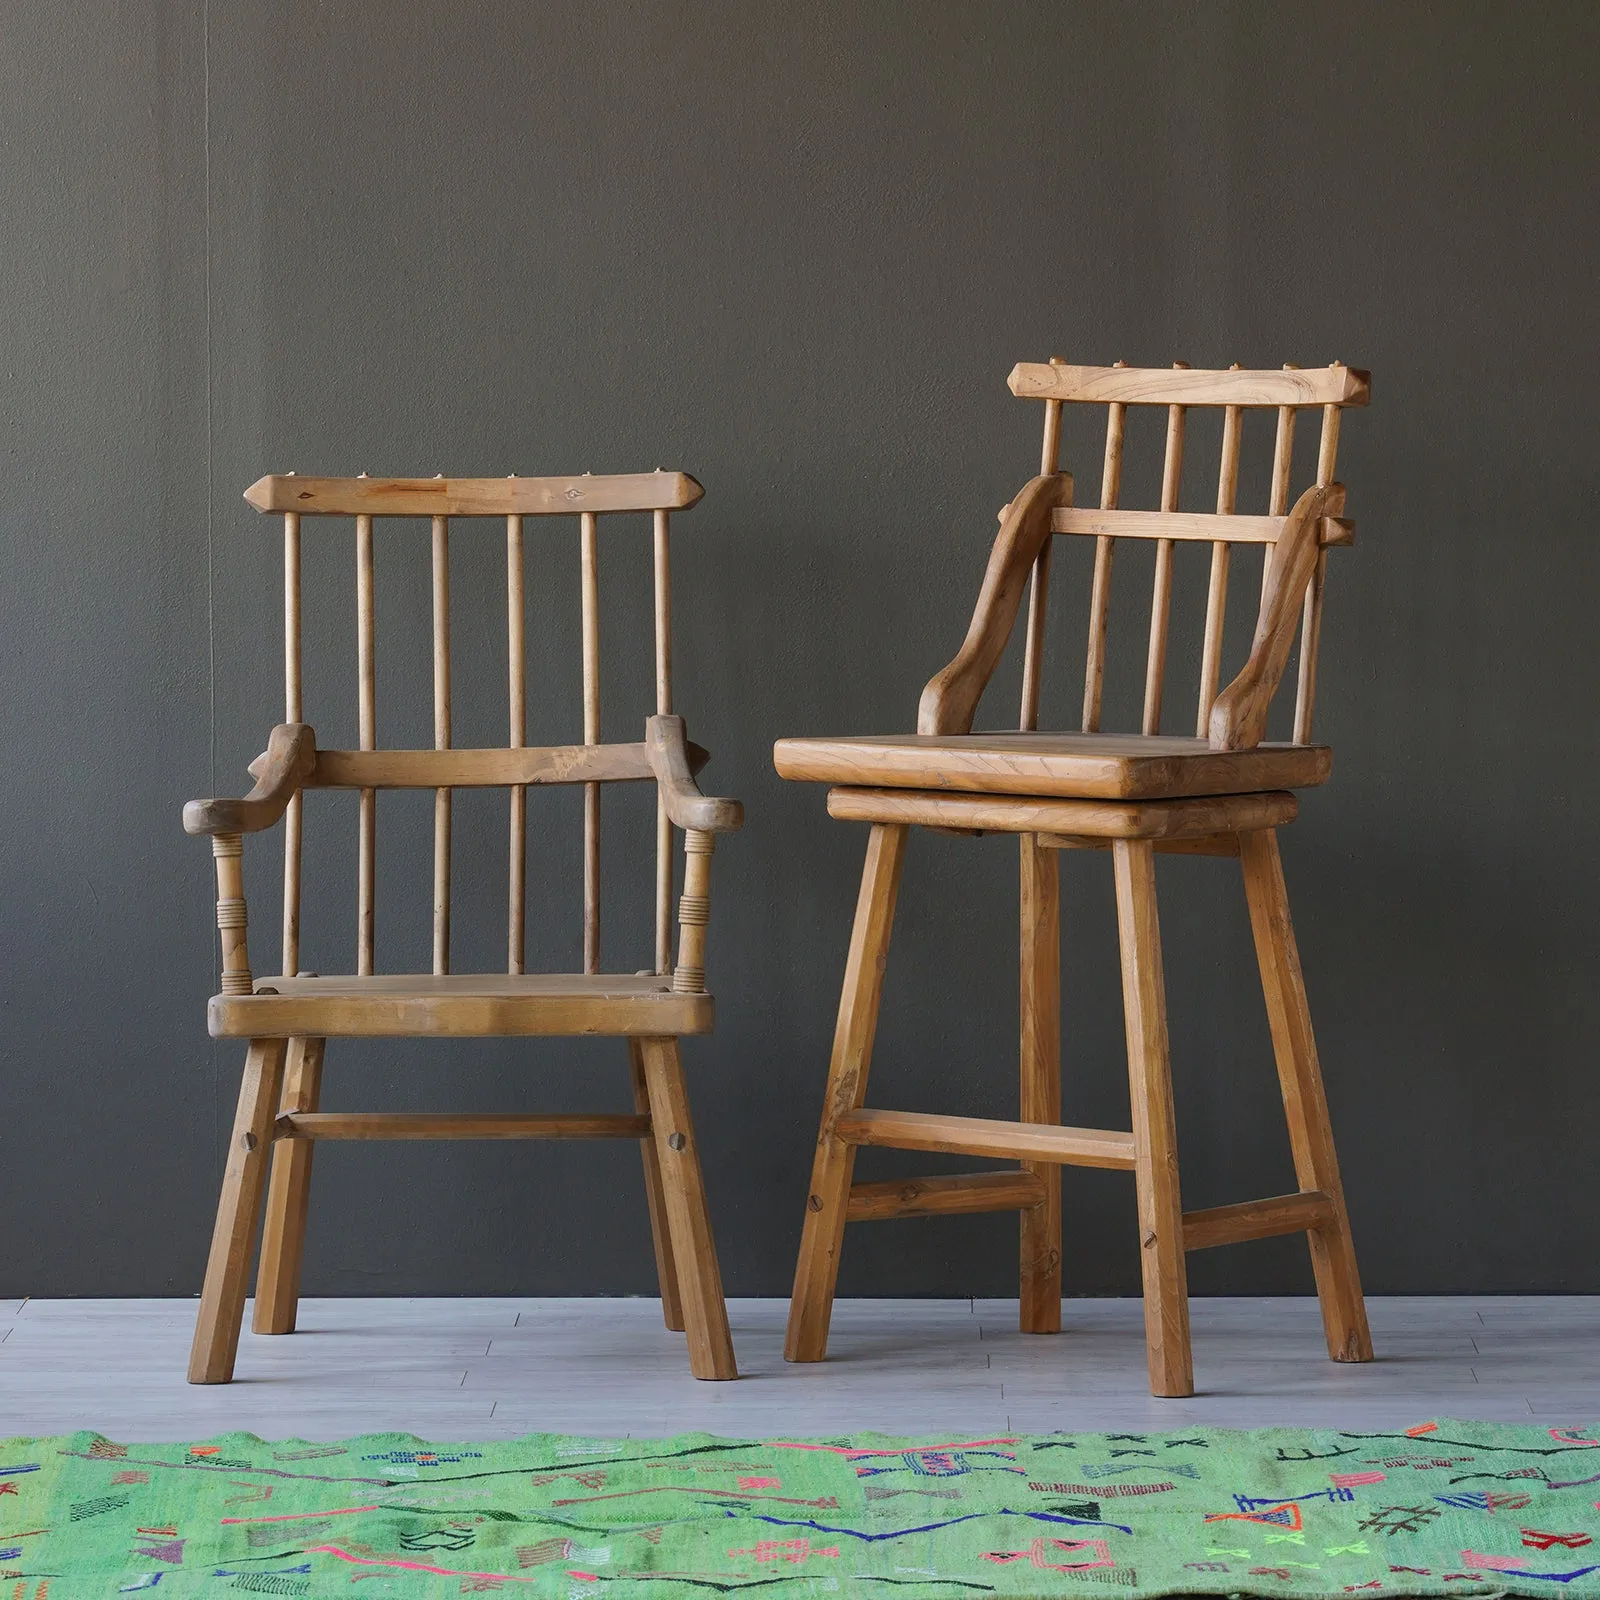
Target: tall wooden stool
1223, 792
287, 1019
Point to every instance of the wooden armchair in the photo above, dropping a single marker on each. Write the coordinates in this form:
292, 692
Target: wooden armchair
288, 1018
1222, 792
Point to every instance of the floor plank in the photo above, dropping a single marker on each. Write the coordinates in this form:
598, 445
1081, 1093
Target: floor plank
480, 1369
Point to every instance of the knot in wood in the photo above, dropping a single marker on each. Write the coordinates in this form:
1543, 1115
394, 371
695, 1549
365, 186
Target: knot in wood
676, 1141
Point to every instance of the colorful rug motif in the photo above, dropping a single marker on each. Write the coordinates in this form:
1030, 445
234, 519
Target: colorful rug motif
1444, 1508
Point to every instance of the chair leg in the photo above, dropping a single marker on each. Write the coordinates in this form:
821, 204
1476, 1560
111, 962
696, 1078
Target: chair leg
1155, 1137
1041, 1080
283, 1234
1305, 1104
655, 1198
694, 1251
817, 1270
216, 1334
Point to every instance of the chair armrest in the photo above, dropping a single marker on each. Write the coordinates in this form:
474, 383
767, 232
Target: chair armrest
279, 771
950, 700
1239, 713
671, 755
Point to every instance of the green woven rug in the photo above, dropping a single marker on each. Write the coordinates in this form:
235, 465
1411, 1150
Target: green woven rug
1440, 1509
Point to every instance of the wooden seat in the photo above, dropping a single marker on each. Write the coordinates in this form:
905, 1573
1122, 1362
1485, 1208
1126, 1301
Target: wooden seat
289, 1018
1223, 791
1093, 766
401, 1005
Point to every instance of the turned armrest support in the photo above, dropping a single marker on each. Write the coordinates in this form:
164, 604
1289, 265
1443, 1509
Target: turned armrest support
950, 700
279, 772
1239, 713
672, 757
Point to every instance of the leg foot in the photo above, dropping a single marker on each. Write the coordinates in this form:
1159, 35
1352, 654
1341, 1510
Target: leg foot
1305, 1104
1155, 1137
216, 1334
283, 1235
817, 1270
705, 1312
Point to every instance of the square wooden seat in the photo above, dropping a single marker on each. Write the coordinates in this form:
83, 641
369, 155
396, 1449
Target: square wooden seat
1224, 791
288, 1019
1090, 766
475, 1005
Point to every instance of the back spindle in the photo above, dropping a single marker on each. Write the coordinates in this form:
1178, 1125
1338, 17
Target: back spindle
367, 733
293, 711
1039, 585
1161, 590
589, 559
1311, 618
662, 570
1221, 552
517, 701
1094, 675
441, 741
1282, 470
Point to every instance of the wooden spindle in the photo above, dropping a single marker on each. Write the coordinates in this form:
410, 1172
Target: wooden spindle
517, 699
1311, 618
663, 606
1039, 585
1094, 675
589, 555
293, 708
1282, 471
367, 733
228, 849
1221, 555
694, 913
441, 741
1155, 671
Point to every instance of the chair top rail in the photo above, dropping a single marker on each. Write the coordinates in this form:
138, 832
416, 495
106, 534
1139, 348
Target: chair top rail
474, 497
1203, 526
1336, 385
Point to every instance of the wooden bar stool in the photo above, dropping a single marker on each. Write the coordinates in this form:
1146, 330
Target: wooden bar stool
1223, 792
287, 1019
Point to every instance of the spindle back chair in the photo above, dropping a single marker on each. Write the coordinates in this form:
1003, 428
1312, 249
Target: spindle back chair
1222, 792
288, 1018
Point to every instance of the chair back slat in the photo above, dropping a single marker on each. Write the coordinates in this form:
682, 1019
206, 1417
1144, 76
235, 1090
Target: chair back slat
443, 768
1155, 671
589, 552
661, 574
1234, 391
1221, 558
1094, 673
1039, 581
294, 818
516, 737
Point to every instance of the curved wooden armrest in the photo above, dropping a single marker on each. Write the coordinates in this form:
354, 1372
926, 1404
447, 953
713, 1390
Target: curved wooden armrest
950, 700
1239, 713
672, 756
279, 771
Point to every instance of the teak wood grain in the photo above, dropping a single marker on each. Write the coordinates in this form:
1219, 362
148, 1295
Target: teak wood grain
1220, 793
290, 1017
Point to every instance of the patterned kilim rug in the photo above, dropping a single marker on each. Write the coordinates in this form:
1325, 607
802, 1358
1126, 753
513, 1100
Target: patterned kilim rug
1440, 1509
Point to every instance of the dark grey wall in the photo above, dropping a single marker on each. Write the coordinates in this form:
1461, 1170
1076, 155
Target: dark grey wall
794, 249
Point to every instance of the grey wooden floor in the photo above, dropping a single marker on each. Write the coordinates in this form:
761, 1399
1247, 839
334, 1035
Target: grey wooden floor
481, 1369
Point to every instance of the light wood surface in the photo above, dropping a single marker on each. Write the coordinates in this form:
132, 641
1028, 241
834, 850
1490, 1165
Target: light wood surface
474, 497
472, 1368
1040, 1061
292, 1015
1089, 766
400, 1005
1185, 386
828, 1199
1221, 793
